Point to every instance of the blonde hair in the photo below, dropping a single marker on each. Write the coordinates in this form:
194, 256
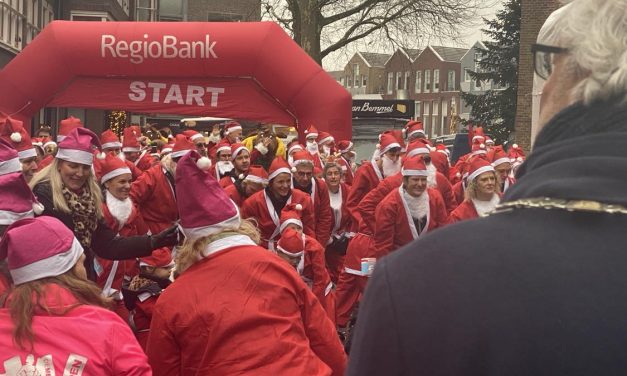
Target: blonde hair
191, 251
28, 297
471, 190
51, 175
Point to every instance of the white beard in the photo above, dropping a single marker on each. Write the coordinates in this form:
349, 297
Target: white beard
120, 209
431, 172
484, 207
389, 167
326, 150
224, 167
418, 206
312, 147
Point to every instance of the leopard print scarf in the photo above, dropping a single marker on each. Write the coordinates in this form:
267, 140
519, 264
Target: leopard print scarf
84, 215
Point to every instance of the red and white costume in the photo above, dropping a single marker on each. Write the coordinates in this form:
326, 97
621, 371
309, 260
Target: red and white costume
341, 227
153, 193
473, 208
346, 165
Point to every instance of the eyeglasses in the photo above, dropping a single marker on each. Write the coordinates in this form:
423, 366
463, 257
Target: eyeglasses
201, 145
543, 58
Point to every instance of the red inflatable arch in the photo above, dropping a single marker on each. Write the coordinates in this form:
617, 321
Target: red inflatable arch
252, 71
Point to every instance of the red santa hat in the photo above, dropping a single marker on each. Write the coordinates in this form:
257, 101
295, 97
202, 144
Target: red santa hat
325, 138
129, 142
204, 207
37, 248
182, 146
478, 148
16, 199
442, 149
414, 166
291, 243
222, 146
516, 154
417, 147
278, 166
257, 174
160, 258
489, 141
293, 146
66, 126
311, 132
478, 135
387, 141
111, 167
9, 159
78, 147
498, 156
477, 167
47, 141
237, 148
414, 127
13, 131
344, 146
232, 126
193, 135
291, 215
302, 157
110, 140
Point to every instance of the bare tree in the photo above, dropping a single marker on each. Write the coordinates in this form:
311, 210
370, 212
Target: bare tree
321, 27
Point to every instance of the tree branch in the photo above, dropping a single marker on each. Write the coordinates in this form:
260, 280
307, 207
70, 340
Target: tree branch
340, 16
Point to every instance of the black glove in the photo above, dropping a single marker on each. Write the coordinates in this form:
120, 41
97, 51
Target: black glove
166, 238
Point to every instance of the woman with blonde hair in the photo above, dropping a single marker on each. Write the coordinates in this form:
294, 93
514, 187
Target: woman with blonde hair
53, 320
235, 308
69, 192
482, 193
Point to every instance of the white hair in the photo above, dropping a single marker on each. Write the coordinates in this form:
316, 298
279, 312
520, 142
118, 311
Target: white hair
595, 34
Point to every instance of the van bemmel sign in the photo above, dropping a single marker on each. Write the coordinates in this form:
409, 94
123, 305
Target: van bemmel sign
396, 109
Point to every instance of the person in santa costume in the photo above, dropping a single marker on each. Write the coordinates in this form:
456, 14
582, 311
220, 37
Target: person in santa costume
255, 181
232, 132
346, 161
240, 157
410, 211
68, 190
340, 236
482, 192
122, 217
111, 145
292, 147
459, 188
141, 292
12, 130
311, 145
326, 145
154, 191
304, 181
502, 166
51, 148
235, 308
517, 157
199, 140
54, 321
265, 206
414, 130
133, 150
306, 255
223, 164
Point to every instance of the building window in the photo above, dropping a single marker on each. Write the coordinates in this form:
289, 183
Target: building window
342, 81
364, 81
426, 118
171, 10
350, 81
435, 124
390, 82
418, 81
224, 17
89, 16
450, 83
399, 80
11, 21
427, 81
467, 75
445, 127
356, 79
417, 110
436, 80
407, 78
146, 10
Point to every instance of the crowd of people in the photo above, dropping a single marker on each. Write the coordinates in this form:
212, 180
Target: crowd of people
269, 244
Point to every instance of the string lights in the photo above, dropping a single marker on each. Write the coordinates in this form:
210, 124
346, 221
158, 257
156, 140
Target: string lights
117, 121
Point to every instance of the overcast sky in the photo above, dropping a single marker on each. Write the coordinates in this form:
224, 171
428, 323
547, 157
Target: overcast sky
338, 60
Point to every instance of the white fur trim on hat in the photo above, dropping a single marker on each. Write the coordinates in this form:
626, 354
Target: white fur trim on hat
76, 156
405, 172
419, 131
390, 146
223, 148
478, 172
262, 149
142, 263
8, 217
229, 130
350, 146
112, 174
237, 151
196, 136
179, 153
480, 151
501, 161
112, 145
298, 162
283, 250
232, 223
311, 135
477, 137
255, 179
49, 267
295, 146
60, 138
10, 166
292, 221
28, 153
417, 151
282, 170
49, 143
325, 140
130, 149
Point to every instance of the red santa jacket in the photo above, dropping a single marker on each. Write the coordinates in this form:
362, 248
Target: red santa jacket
465, 210
84, 340
367, 177
315, 274
394, 226
154, 195
259, 207
4, 284
145, 161
349, 174
234, 195
322, 209
257, 318
45, 162
458, 191
226, 181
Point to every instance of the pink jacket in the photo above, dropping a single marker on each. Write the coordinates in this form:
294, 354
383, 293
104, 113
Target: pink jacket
87, 340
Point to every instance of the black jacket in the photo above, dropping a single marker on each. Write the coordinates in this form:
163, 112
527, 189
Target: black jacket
104, 242
521, 292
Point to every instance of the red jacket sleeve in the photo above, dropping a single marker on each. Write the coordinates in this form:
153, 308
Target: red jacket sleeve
446, 190
128, 358
308, 217
358, 191
142, 189
162, 349
248, 208
439, 210
324, 220
384, 229
135, 172
368, 204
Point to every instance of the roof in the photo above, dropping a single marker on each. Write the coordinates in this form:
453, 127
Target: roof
374, 59
452, 54
413, 53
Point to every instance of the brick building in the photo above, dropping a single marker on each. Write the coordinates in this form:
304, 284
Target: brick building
364, 73
533, 15
399, 73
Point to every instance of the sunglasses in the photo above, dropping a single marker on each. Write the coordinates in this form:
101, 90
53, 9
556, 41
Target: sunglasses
543, 57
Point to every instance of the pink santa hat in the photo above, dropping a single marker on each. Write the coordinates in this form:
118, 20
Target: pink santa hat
9, 159
53, 251
13, 131
16, 199
291, 243
78, 147
68, 125
204, 207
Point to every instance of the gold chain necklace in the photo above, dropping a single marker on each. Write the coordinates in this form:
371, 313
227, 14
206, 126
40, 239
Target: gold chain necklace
548, 203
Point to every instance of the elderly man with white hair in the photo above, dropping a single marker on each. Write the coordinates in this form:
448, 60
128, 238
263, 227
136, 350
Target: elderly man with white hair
537, 288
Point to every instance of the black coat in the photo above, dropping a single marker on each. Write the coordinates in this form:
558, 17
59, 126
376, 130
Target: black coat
104, 242
522, 292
